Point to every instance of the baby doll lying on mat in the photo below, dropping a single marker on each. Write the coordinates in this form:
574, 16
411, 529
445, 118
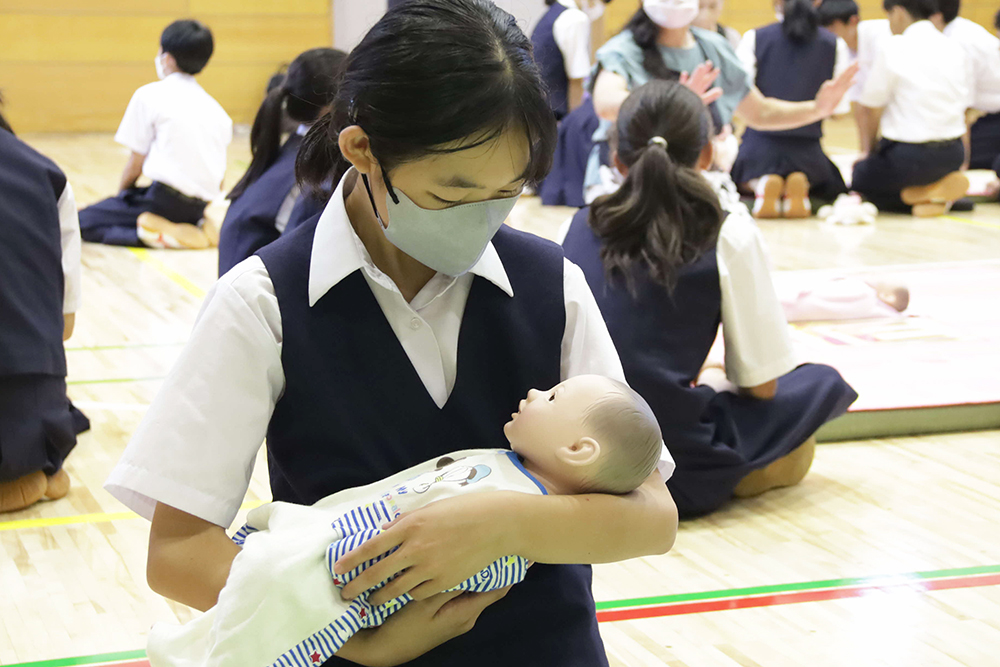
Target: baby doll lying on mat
588, 434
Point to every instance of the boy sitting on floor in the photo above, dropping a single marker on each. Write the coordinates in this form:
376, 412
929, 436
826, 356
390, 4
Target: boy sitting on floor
178, 135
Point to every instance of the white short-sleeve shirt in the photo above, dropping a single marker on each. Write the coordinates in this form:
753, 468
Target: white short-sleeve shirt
69, 233
982, 52
571, 31
870, 38
920, 80
196, 446
182, 131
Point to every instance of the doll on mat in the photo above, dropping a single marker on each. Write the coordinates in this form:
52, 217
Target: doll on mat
282, 602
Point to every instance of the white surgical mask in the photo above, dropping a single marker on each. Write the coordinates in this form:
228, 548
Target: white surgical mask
671, 13
449, 240
158, 63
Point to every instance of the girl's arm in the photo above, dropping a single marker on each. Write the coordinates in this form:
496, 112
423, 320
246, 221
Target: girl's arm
588, 528
768, 113
132, 171
610, 92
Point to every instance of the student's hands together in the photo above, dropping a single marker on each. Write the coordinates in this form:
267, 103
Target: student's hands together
419, 627
439, 546
700, 81
832, 91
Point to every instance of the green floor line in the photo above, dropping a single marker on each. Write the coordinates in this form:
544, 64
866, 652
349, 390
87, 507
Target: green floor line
86, 659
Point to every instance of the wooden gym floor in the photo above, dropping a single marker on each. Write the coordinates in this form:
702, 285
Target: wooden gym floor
887, 554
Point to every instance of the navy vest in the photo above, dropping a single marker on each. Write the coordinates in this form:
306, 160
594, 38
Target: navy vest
550, 60
31, 273
794, 71
251, 218
662, 338
355, 411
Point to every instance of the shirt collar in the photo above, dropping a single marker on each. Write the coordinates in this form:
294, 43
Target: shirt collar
917, 27
337, 252
568, 4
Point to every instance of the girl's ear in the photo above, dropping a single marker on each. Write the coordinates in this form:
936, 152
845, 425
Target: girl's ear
356, 149
706, 157
618, 164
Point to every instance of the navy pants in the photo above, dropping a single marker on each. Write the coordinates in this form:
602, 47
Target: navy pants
985, 143
764, 153
895, 165
38, 425
113, 221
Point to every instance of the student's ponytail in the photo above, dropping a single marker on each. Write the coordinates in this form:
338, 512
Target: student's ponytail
4, 125
665, 215
307, 88
801, 20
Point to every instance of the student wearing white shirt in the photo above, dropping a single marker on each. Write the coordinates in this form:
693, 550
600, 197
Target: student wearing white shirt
709, 12
863, 39
561, 43
39, 298
919, 87
982, 51
178, 135
790, 60
405, 317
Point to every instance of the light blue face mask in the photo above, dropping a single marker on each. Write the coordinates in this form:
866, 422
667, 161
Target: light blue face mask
449, 240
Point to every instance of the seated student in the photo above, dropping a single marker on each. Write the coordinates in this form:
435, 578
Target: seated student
790, 60
919, 88
982, 52
39, 297
709, 12
178, 135
588, 434
864, 39
263, 200
666, 266
561, 41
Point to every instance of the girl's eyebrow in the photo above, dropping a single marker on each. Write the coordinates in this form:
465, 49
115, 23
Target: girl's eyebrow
458, 181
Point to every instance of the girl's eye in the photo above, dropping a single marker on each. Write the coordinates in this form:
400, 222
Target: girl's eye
444, 201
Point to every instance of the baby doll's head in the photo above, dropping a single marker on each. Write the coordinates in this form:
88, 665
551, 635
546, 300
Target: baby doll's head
589, 434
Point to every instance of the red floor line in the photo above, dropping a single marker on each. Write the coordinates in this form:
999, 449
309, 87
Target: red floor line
750, 602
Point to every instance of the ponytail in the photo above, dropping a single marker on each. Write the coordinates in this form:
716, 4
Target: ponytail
666, 215
306, 89
801, 20
4, 125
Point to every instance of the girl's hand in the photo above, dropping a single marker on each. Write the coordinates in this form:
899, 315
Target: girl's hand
832, 91
701, 80
440, 546
418, 627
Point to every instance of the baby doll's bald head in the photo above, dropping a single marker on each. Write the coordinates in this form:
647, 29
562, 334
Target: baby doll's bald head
629, 435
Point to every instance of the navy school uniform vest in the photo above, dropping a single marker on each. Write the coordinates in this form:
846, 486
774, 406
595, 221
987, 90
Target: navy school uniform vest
354, 411
31, 273
813, 63
250, 220
550, 60
662, 338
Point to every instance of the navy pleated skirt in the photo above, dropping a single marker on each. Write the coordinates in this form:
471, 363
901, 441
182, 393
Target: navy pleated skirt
763, 154
38, 425
739, 434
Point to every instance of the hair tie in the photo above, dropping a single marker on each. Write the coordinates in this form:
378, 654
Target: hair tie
659, 141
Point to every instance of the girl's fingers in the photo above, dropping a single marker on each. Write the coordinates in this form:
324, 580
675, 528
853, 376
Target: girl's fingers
395, 588
381, 571
380, 544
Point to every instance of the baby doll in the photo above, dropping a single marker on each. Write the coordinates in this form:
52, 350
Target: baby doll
282, 604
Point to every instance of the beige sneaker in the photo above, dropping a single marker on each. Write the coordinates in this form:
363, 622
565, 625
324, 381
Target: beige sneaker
949, 189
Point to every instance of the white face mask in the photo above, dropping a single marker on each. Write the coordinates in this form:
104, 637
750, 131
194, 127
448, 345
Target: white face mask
158, 63
671, 13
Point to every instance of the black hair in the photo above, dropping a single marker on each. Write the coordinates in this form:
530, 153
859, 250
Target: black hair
190, 43
4, 125
949, 9
801, 20
549, 3
837, 10
308, 86
918, 9
665, 215
432, 73
996, 20
645, 33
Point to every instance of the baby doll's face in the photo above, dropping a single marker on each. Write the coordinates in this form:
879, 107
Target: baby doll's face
547, 421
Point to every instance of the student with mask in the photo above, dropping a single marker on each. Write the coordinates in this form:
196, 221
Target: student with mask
405, 319
918, 88
178, 135
266, 200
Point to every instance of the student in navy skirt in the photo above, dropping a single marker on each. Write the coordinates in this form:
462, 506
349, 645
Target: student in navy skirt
666, 267
790, 60
39, 297
404, 320
561, 42
265, 199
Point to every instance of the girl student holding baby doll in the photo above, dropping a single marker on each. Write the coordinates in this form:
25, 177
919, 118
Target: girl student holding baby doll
340, 343
667, 266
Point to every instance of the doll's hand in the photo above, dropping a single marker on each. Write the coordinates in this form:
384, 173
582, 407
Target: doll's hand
418, 627
440, 546
701, 80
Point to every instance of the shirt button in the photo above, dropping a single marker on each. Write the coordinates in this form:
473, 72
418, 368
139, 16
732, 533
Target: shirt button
415, 323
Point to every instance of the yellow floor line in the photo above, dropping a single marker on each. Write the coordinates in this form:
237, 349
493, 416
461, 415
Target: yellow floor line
182, 281
97, 517
970, 221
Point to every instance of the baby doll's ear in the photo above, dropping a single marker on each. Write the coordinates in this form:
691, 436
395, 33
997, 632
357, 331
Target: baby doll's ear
583, 452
